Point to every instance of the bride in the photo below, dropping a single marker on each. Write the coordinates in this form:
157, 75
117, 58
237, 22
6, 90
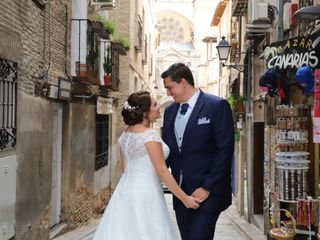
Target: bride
137, 209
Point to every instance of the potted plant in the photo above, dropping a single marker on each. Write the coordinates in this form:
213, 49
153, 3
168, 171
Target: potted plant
121, 44
102, 25
237, 103
234, 41
109, 28
241, 108
125, 43
96, 22
107, 66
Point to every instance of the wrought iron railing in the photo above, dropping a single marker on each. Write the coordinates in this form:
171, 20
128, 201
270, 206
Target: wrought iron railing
88, 71
115, 69
8, 104
102, 141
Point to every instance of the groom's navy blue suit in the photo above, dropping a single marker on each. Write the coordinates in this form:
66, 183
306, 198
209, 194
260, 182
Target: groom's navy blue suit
205, 161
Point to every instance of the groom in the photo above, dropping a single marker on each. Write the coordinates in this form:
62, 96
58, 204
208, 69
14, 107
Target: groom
198, 128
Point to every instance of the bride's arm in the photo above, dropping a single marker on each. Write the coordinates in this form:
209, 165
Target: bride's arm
155, 152
121, 160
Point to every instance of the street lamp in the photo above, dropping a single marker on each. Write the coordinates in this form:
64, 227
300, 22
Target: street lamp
223, 49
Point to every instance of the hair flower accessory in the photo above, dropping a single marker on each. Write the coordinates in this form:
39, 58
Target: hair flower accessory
128, 107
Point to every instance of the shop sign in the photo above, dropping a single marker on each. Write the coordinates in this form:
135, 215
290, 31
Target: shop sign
104, 105
294, 53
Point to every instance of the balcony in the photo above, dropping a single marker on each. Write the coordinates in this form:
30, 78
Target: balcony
239, 8
90, 51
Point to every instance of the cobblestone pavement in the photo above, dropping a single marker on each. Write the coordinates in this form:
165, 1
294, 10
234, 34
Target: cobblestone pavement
230, 226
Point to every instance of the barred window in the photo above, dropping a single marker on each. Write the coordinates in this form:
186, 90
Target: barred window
102, 141
8, 104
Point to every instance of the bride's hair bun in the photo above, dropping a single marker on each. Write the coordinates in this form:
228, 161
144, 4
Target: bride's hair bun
133, 109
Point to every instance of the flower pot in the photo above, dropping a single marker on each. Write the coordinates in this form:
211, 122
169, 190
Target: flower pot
234, 44
105, 35
241, 107
119, 48
96, 26
107, 80
81, 69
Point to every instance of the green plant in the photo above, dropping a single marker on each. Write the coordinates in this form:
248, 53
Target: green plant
232, 102
108, 24
124, 41
235, 101
95, 17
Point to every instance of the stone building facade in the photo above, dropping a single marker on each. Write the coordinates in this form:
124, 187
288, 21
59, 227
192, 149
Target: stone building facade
48, 157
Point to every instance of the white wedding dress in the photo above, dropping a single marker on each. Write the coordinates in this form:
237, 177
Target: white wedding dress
137, 209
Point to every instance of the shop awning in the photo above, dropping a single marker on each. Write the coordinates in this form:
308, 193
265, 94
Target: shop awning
308, 13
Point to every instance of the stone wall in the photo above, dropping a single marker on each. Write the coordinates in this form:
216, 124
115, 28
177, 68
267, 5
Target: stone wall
34, 36
78, 156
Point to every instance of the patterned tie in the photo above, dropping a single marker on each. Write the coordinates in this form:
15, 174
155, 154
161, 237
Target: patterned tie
184, 108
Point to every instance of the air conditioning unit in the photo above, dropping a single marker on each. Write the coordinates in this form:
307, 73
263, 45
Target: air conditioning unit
258, 12
104, 3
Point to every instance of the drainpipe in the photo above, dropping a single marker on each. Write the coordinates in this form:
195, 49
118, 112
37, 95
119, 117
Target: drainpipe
66, 44
280, 25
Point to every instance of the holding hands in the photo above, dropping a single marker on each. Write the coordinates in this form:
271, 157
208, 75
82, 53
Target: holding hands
201, 194
197, 197
191, 202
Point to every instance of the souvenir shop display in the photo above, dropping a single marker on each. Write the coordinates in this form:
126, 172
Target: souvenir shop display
292, 172
292, 161
286, 232
292, 156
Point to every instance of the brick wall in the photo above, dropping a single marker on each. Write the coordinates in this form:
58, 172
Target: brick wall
34, 37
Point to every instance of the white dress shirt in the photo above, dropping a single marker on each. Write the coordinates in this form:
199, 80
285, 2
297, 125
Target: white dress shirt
181, 123
182, 120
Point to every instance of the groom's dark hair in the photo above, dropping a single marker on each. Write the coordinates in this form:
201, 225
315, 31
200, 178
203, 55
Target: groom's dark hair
137, 104
178, 71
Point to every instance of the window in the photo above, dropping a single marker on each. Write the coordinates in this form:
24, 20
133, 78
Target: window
151, 65
102, 141
139, 34
8, 103
145, 57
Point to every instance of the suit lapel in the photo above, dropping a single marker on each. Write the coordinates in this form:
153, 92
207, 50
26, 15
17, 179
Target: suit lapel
192, 120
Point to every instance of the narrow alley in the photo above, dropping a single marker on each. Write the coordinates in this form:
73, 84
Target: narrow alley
230, 226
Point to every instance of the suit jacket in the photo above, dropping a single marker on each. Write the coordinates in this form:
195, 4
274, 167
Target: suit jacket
206, 151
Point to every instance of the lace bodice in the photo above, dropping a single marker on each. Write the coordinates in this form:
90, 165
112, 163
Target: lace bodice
137, 208
133, 144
